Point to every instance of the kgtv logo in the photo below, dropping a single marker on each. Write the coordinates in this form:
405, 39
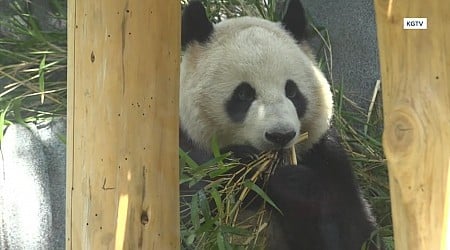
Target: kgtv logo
415, 23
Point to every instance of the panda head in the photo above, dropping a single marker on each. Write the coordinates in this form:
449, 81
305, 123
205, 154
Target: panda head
249, 81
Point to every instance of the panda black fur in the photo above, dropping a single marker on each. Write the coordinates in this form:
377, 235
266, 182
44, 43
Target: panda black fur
253, 84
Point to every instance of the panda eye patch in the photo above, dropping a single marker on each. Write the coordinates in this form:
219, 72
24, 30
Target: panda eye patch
291, 89
239, 103
297, 98
245, 92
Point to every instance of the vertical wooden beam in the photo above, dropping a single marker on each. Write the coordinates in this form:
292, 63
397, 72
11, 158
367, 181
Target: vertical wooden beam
123, 75
415, 70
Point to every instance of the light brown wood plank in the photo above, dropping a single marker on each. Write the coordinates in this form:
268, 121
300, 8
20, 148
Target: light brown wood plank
123, 76
415, 69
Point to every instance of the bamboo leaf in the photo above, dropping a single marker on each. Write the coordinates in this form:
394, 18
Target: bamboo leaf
2, 121
218, 200
195, 217
220, 241
42, 78
252, 186
186, 158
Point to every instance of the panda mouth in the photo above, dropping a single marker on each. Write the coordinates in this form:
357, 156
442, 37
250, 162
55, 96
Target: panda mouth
272, 146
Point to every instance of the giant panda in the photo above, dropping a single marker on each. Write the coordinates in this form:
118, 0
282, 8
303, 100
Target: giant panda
254, 86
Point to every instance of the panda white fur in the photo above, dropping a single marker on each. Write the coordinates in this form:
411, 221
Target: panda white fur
253, 84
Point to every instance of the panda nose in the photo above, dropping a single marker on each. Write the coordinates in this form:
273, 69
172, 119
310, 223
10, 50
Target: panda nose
280, 138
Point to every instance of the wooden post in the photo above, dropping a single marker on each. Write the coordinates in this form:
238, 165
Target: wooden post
415, 70
122, 164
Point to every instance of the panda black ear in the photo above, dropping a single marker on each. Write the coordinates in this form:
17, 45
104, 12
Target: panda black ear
294, 19
195, 25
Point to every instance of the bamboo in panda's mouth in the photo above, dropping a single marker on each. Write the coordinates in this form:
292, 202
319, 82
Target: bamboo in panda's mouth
272, 158
293, 156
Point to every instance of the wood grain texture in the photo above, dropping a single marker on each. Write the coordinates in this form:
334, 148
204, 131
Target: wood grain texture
415, 69
123, 76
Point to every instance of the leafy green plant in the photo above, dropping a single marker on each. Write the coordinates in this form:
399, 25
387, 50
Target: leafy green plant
32, 67
215, 215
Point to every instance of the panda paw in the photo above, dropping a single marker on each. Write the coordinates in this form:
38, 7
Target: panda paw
245, 154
